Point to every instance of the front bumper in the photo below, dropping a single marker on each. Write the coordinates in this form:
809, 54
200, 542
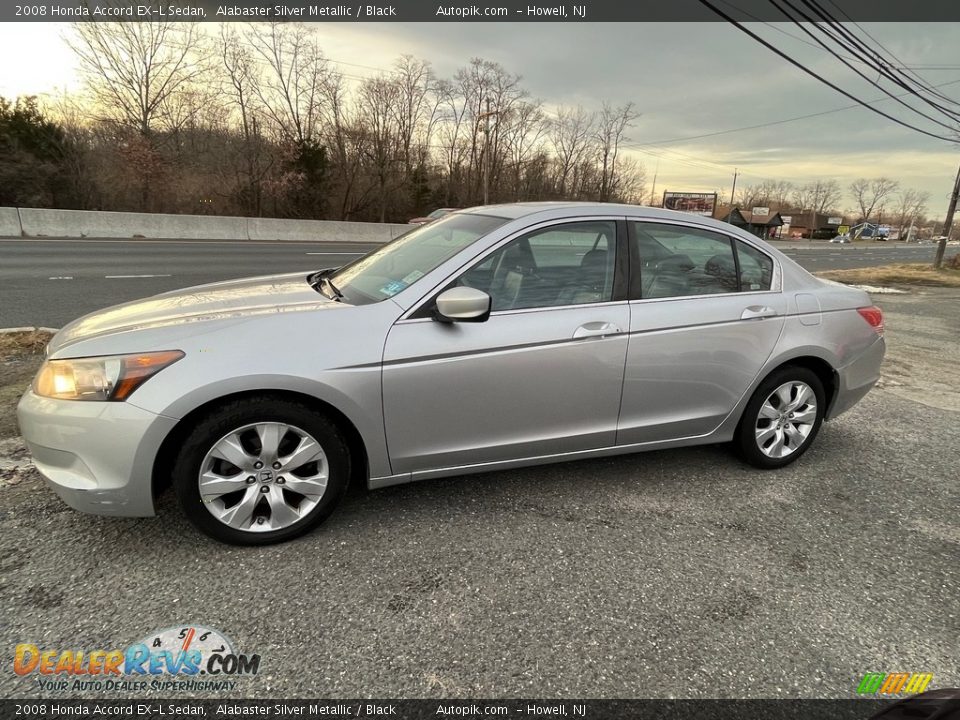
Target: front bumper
858, 377
97, 456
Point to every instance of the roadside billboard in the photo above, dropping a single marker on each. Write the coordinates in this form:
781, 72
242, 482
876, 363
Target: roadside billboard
690, 202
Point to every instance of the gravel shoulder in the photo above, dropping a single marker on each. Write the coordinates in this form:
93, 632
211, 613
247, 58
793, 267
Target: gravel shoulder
922, 331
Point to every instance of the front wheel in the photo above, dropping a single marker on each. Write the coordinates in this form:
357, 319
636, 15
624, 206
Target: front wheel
782, 418
261, 470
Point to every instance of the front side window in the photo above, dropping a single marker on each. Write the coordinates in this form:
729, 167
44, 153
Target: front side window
570, 264
678, 261
389, 269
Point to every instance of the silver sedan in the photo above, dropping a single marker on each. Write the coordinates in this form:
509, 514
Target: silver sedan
496, 337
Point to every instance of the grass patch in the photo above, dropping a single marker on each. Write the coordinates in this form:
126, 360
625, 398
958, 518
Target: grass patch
900, 274
19, 344
21, 354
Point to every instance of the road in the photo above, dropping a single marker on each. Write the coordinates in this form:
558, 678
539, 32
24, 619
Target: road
47, 283
678, 573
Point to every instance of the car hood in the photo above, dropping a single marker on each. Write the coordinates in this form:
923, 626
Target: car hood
231, 299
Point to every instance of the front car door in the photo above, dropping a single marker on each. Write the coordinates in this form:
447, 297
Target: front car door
706, 313
542, 376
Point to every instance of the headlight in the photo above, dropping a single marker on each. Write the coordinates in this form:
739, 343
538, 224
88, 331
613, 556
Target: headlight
113, 377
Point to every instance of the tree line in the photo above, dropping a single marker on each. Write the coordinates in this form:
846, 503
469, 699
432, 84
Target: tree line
257, 121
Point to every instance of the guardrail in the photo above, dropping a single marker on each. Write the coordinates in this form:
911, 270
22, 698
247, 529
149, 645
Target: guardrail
42, 223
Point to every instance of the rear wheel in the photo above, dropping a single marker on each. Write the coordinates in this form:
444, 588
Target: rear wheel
261, 470
782, 418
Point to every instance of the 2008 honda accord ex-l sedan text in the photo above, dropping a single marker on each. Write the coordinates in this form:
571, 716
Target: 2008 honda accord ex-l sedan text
496, 337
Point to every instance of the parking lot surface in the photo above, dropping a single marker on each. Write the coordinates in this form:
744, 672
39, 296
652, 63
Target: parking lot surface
679, 573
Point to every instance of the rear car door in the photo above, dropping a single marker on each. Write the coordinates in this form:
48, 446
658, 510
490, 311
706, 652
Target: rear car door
706, 313
541, 376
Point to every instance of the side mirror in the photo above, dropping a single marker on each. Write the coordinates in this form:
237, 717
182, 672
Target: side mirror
462, 304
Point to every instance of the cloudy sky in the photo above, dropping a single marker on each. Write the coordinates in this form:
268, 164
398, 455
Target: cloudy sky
687, 79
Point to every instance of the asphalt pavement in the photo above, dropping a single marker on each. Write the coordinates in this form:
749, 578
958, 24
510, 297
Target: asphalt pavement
680, 573
668, 574
47, 283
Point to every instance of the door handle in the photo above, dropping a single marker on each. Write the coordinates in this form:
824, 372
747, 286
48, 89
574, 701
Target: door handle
596, 329
758, 312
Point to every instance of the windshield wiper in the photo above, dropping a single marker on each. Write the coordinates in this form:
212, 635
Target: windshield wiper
321, 278
337, 295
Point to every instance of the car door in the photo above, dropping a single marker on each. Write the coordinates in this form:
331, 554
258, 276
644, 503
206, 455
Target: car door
706, 313
541, 376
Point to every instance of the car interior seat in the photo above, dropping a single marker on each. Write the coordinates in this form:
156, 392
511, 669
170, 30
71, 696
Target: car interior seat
515, 267
669, 277
723, 273
594, 281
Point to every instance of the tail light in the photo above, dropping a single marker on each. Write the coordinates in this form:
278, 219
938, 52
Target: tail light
874, 316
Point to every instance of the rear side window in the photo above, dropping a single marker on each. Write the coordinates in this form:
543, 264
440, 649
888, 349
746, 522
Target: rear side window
756, 268
678, 261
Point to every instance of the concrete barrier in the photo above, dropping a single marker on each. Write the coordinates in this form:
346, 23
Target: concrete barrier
322, 230
36, 222
83, 223
9, 222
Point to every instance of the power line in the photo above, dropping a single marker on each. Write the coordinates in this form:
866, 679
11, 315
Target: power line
877, 85
670, 141
840, 34
815, 75
859, 27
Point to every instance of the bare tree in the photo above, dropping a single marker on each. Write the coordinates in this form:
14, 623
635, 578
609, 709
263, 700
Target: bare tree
629, 184
910, 206
610, 133
345, 135
751, 196
819, 196
485, 87
291, 89
416, 108
571, 133
868, 194
779, 193
523, 129
379, 97
297, 91
453, 129
241, 76
133, 71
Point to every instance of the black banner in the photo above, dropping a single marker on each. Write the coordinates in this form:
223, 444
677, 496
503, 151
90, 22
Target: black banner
917, 708
495, 11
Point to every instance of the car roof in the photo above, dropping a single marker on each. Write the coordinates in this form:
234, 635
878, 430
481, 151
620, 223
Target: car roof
514, 211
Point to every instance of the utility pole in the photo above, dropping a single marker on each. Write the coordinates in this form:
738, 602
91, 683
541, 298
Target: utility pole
948, 223
734, 188
653, 190
486, 151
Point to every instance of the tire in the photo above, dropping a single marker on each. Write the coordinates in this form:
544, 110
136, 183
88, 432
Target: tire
291, 468
779, 400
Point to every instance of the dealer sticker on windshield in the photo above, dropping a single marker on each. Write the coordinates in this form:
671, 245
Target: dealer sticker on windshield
393, 287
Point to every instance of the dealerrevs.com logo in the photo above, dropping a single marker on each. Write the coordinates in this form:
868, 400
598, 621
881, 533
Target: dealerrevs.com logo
176, 659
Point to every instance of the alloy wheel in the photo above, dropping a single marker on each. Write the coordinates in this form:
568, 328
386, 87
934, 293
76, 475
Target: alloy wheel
786, 419
263, 476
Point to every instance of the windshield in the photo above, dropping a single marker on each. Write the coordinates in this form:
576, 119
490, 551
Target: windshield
400, 263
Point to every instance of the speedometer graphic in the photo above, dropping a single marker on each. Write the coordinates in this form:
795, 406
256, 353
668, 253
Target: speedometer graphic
187, 638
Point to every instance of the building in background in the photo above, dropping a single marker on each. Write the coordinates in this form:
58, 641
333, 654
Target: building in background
759, 221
